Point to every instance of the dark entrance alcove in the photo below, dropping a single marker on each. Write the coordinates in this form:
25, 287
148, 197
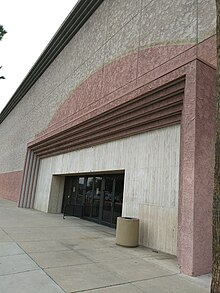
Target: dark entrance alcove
96, 197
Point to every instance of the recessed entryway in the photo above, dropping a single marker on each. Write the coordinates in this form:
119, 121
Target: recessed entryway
94, 197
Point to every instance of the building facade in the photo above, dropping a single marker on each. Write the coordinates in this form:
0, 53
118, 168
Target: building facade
117, 116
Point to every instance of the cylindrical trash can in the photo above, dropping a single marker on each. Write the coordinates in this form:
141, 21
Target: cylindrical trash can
127, 231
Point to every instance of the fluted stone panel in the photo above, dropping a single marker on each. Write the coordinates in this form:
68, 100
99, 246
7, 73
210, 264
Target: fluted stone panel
151, 164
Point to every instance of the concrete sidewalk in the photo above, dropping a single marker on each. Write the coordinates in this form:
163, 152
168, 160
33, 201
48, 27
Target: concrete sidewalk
45, 254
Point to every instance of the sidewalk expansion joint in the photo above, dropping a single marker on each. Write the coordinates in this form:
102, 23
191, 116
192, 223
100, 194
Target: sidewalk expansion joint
17, 273
126, 283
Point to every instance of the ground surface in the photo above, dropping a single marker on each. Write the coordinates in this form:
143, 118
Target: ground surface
43, 253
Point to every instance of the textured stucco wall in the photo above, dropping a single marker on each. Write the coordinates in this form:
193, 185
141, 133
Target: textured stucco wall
150, 32
196, 171
124, 46
10, 185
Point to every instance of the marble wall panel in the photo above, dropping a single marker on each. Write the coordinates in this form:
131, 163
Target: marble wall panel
206, 19
124, 42
169, 22
123, 71
121, 12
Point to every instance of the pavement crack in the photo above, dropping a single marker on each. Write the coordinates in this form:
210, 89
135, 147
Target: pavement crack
16, 273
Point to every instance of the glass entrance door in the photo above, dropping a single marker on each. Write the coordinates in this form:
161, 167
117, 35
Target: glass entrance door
108, 194
70, 196
92, 197
118, 197
98, 198
112, 201
88, 197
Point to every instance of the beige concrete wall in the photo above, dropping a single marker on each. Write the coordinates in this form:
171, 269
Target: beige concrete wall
116, 29
151, 164
56, 194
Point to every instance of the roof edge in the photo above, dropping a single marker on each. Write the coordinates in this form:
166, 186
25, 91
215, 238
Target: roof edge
71, 25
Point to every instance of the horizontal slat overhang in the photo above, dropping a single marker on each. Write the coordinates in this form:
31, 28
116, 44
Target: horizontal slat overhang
154, 110
75, 20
